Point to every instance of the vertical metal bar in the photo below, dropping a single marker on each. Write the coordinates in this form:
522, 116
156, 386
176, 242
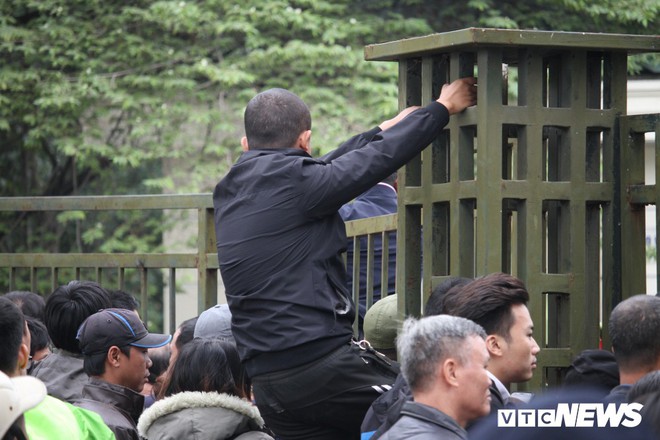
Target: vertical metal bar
171, 300
12, 279
385, 265
356, 280
207, 277
370, 271
121, 278
144, 294
33, 279
54, 272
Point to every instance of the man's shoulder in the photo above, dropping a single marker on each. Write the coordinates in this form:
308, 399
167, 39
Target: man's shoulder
618, 394
421, 422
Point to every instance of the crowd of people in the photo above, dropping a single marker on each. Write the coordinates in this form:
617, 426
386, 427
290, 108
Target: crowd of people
280, 360
457, 366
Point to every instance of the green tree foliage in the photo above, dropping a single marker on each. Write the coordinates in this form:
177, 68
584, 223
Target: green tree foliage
140, 96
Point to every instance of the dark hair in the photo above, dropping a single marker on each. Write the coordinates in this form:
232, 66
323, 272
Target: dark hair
94, 364
634, 328
187, 332
275, 118
30, 303
202, 365
123, 300
12, 326
68, 306
15, 432
488, 301
38, 334
434, 303
241, 379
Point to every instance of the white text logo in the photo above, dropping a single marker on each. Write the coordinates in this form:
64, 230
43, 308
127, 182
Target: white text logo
574, 415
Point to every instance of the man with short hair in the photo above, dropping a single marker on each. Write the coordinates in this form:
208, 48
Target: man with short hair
114, 343
66, 308
498, 303
443, 359
280, 242
634, 329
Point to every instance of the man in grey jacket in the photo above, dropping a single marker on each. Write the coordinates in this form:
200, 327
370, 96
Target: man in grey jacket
443, 359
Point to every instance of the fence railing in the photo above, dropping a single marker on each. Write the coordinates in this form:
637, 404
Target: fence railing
203, 258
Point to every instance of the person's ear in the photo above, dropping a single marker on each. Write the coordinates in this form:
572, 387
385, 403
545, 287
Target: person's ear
244, 143
305, 141
113, 357
449, 371
23, 357
495, 345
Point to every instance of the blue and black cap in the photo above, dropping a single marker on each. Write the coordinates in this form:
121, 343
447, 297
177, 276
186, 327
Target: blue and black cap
116, 327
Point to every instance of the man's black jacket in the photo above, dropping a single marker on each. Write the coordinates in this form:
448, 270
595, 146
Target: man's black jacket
280, 239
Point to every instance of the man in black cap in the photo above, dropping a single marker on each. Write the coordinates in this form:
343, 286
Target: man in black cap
114, 343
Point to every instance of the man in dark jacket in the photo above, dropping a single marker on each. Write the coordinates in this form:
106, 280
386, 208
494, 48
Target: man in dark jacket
280, 243
381, 199
114, 343
443, 359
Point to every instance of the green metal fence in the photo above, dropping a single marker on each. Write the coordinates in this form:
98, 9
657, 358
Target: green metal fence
203, 259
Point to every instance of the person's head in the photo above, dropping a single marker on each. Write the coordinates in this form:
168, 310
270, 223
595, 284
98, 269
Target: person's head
17, 395
68, 306
443, 358
115, 344
202, 365
123, 300
634, 328
277, 118
183, 335
434, 303
14, 346
497, 302
214, 322
39, 340
30, 303
594, 369
381, 325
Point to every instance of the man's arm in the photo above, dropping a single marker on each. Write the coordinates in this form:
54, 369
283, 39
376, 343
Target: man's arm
347, 175
455, 97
